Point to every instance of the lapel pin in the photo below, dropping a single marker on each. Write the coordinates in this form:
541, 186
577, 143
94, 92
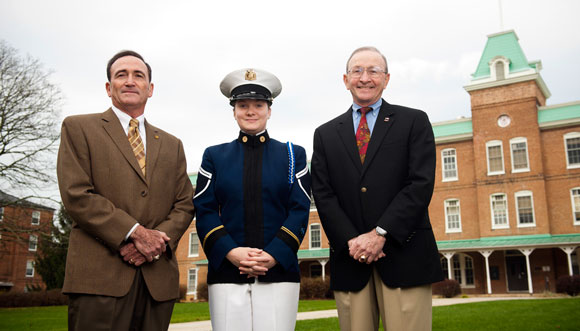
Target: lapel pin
387, 119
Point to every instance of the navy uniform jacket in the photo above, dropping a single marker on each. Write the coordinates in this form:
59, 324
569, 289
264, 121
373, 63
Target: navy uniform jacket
252, 192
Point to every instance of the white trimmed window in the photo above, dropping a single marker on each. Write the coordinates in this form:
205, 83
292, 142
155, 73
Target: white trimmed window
315, 241
499, 211
29, 268
572, 145
35, 217
192, 281
449, 164
33, 243
315, 270
452, 216
575, 195
520, 159
193, 244
1, 214
462, 265
494, 158
525, 209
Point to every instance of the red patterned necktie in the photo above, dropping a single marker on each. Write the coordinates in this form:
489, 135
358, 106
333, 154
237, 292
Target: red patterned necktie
137, 143
363, 134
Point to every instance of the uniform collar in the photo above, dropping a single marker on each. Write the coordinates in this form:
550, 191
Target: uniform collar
248, 139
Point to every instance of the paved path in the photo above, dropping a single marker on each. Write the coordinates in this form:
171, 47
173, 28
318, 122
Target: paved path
206, 325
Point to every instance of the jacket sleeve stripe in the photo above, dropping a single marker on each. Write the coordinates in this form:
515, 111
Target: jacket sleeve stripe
285, 229
303, 190
209, 233
302, 172
208, 175
205, 172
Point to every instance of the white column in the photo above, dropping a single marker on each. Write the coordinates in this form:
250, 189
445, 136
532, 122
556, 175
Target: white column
323, 263
527, 252
486, 255
569, 250
448, 256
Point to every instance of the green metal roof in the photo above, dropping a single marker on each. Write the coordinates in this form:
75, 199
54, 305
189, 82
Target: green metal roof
193, 178
560, 112
509, 241
502, 44
500, 242
452, 128
313, 253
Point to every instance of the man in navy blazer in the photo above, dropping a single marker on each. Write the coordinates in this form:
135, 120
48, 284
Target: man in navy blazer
372, 197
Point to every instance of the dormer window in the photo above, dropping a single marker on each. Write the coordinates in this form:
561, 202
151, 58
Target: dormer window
499, 72
499, 68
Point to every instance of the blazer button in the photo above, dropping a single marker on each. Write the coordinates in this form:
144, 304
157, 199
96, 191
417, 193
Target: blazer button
143, 193
363, 189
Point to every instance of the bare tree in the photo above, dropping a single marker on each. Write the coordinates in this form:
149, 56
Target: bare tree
29, 116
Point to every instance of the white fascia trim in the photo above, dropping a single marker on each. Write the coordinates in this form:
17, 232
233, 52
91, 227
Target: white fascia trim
487, 83
454, 138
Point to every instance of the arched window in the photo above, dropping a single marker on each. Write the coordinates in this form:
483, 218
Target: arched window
499, 70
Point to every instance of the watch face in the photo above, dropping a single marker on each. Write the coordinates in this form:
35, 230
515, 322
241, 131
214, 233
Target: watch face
503, 121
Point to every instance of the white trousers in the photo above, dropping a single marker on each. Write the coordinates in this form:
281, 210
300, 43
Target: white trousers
253, 307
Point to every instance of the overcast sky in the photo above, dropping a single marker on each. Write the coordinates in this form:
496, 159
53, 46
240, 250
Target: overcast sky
432, 48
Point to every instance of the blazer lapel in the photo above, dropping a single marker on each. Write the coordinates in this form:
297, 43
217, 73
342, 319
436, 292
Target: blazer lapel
385, 120
153, 146
113, 127
345, 130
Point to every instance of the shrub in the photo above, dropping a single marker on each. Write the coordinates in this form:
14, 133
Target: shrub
202, 294
182, 293
315, 288
447, 288
31, 299
568, 284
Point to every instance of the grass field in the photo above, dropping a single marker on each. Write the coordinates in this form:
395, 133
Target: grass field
544, 314
512, 315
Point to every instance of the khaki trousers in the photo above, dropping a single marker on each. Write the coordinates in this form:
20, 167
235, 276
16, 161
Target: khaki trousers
401, 309
135, 311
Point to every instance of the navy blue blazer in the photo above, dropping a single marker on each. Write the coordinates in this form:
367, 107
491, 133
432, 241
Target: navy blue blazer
252, 192
392, 189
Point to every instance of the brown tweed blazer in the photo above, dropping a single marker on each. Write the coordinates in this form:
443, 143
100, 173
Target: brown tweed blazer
103, 190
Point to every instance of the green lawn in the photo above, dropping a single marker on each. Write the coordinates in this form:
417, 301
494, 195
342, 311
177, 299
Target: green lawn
542, 314
512, 315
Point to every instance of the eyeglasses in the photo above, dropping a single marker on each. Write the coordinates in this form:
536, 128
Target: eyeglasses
373, 72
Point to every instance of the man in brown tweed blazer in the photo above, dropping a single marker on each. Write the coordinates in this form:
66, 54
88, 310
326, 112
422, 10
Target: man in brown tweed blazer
121, 273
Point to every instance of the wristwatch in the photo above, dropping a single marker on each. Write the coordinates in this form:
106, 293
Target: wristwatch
380, 231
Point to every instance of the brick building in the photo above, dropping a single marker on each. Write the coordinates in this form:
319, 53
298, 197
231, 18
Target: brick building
506, 204
21, 225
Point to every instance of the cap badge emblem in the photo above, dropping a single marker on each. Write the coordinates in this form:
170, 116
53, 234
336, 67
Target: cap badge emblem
250, 74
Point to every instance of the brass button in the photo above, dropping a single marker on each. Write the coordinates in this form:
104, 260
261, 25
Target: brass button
245, 139
363, 190
262, 139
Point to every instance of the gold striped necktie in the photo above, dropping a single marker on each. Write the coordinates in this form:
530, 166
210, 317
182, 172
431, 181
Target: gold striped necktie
137, 143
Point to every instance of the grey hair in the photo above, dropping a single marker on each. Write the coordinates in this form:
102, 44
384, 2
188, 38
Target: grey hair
371, 49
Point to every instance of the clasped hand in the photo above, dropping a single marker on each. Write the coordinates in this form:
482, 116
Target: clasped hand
145, 245
253, 262
368, 245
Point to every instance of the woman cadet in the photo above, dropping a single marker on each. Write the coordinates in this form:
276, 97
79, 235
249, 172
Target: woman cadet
252, 200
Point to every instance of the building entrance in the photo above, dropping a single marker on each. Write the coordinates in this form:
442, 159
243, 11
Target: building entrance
517, 276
